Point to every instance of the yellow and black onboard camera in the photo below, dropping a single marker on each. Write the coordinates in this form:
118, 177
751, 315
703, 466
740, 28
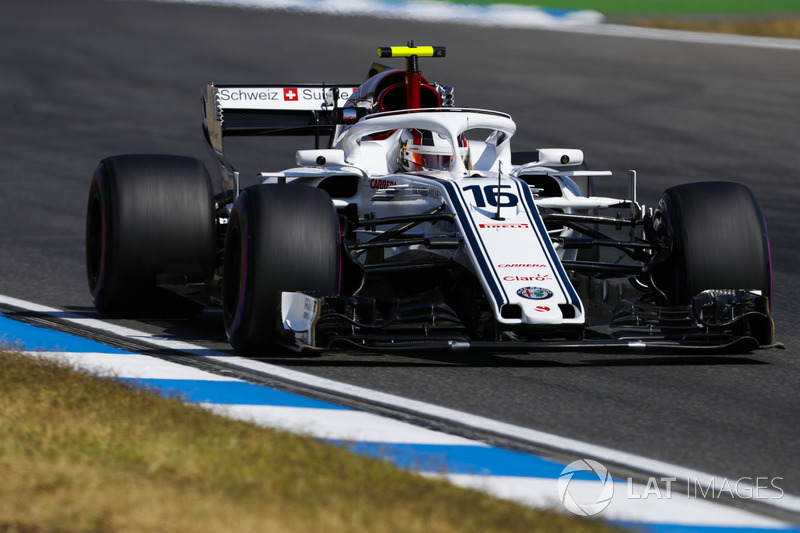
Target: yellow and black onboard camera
413, 74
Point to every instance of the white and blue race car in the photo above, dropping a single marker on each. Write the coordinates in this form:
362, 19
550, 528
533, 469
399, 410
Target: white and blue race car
413, 226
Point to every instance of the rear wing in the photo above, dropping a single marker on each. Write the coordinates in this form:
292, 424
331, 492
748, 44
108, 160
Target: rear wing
247, 110
273, 110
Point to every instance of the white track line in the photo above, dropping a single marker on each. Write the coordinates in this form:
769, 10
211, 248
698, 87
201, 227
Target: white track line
132, 366
487, 14
344, 424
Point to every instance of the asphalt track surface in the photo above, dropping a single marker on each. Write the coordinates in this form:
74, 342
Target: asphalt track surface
83, 80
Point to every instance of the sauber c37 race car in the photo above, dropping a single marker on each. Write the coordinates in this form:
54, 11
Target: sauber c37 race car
413, 226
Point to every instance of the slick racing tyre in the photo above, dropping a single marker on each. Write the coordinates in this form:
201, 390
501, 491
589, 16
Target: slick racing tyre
279, 238
148, 215
719, 240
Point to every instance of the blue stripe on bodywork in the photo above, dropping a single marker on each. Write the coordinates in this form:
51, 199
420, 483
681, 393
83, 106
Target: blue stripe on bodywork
227, 392
19, 335
476, 243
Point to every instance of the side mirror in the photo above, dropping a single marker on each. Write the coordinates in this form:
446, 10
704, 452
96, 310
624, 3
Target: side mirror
320, 158
559, 157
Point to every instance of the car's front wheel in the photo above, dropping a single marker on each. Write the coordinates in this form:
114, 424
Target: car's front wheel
719, 241
279, 238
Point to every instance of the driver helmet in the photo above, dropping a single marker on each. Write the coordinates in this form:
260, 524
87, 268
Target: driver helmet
422, 150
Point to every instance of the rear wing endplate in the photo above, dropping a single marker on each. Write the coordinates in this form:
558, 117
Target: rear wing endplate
247, 110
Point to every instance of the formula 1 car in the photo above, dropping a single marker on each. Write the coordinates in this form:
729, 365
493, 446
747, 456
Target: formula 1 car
413, 226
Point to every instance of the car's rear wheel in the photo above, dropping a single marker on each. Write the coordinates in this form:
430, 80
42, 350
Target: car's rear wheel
148, 215
719, 241
279, 238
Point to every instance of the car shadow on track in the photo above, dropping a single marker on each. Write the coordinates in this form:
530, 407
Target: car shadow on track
478, 360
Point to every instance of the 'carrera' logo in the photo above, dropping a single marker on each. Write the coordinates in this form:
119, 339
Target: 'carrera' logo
535, 293
504, 226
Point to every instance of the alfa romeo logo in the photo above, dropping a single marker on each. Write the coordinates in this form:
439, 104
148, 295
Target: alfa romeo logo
535, 293
575, 497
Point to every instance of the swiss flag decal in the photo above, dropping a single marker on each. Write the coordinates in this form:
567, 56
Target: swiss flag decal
290, 95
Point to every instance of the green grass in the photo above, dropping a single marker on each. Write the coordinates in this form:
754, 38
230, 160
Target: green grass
83, 454
770, 18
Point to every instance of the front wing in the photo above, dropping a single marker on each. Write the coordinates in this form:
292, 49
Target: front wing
735, 321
